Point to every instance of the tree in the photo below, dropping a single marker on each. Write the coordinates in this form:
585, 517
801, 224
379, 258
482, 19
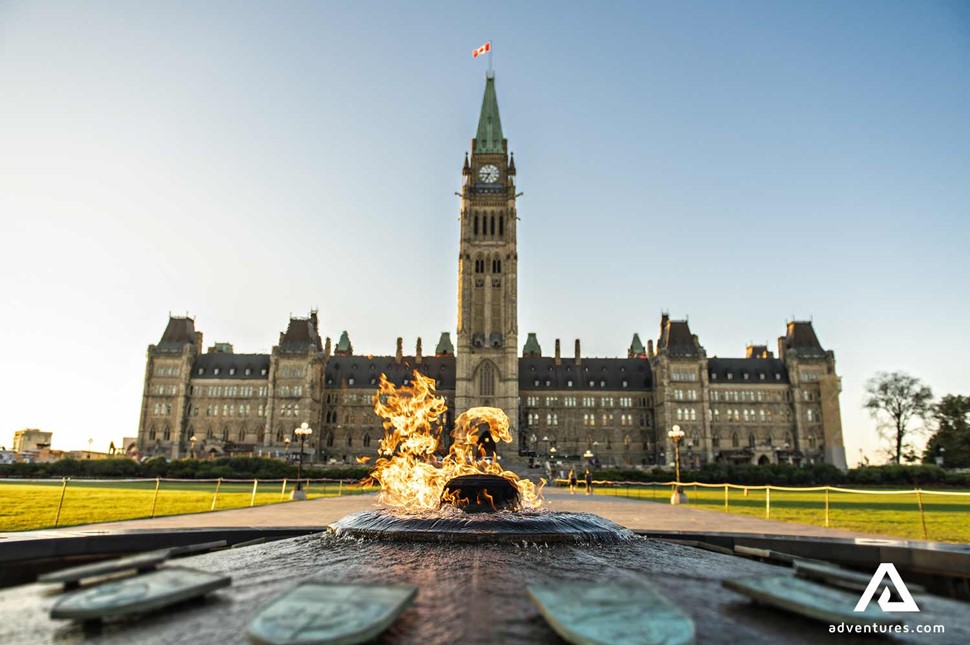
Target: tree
896, 400
952, 416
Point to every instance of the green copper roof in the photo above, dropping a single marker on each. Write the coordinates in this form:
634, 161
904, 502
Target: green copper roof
444, 345
489, 137
532, 346
636, 347
343, 345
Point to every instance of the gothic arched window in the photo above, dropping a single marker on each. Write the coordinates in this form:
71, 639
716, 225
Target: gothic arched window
751, 442
501, 226
476, 225
329, 440
492, 225
735, 440
167, 434
367, 440
486, 380
496, 265
151, 433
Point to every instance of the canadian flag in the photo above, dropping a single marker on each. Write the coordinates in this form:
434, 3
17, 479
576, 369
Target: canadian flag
487, 47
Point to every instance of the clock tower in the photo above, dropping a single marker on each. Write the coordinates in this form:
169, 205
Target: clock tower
487, 364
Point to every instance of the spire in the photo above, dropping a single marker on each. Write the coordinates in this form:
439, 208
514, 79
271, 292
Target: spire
532, 347
444, 348
489, 138
344, 348
636, 348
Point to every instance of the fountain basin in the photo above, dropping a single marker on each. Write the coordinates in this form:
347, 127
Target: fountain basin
458, 527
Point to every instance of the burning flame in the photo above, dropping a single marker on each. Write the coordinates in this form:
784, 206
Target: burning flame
412, 477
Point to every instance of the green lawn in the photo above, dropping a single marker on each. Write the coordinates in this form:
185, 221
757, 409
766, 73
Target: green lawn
33, 505
947, 516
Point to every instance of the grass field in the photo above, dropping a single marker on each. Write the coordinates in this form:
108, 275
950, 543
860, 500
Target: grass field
33, 504
947, 517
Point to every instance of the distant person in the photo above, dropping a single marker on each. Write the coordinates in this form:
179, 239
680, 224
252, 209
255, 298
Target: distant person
572, 481
589, 481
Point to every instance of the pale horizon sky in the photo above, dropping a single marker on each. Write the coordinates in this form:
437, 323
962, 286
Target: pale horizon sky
737, 163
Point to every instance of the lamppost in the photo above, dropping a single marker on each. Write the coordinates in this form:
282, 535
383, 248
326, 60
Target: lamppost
677, 435
192, 441
286, 449
588, 456
302, 432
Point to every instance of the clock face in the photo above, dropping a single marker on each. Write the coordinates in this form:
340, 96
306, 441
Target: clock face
488, 174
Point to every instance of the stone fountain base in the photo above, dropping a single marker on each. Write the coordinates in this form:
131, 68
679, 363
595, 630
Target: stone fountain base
455, 526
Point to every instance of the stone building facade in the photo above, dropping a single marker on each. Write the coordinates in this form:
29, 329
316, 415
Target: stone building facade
759, 408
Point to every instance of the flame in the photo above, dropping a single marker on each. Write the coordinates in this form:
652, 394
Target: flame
411, 475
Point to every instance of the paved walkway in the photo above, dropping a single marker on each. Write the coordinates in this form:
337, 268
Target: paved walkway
638, 515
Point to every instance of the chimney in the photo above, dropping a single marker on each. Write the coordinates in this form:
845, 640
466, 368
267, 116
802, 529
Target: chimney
198, 342
558, 360
578, 359
399, 354
417, 352
650, 348
326, 347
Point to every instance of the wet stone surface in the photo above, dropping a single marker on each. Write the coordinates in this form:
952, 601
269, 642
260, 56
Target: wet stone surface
451, 525
468, 593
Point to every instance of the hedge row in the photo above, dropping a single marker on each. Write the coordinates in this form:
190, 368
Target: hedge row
808, 475
227, 467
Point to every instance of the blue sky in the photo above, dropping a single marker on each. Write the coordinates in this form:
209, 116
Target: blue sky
737, 163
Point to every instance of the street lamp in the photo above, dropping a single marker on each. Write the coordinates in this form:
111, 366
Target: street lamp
588, 456
286, 449
192, 441
677, 435
302, 432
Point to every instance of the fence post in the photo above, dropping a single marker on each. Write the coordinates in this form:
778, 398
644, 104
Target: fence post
61, 502
307, 482
725, 498
694, 500
340, 488
216, 495
158, 483
826, 507
922, 516
283, 491
252, 500
767, 502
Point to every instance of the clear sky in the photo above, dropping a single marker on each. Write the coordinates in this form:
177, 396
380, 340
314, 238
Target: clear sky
737, 163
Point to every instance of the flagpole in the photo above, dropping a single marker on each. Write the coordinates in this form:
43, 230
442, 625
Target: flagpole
490, 72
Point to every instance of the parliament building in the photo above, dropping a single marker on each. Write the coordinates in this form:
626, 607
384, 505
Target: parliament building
763, 407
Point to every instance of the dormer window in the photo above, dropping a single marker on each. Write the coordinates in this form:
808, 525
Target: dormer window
777, 376
249, 371
569, 383
713, 376
745, 376
263, 372
730, 376
216, 371
201, 371
232, 371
